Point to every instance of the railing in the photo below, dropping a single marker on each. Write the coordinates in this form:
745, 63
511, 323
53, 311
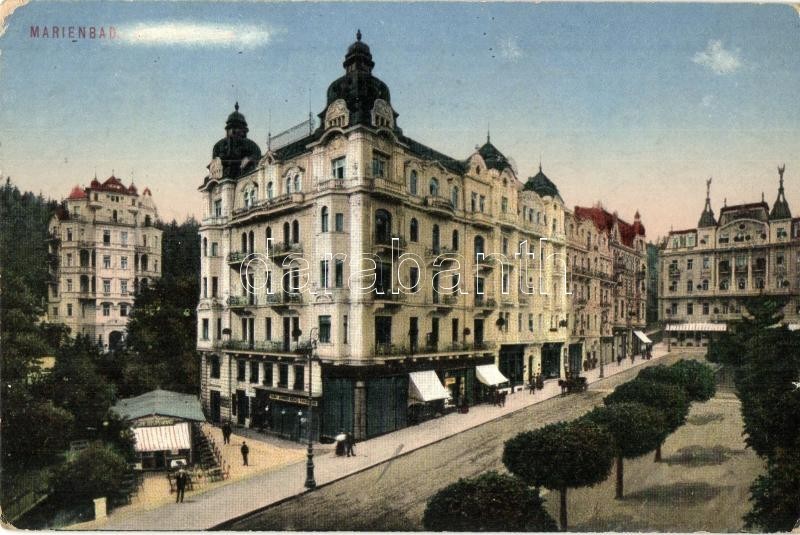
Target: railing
435, 201
485, 303
215, 220
386, 241
283, 248
267, 346
387, 186
387, 295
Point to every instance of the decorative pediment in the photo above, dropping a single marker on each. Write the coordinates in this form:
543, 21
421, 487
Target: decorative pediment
337, 114
215, 168
382, 114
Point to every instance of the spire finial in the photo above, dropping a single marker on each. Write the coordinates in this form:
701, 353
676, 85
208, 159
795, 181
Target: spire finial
725, 201
781, 169
540, 162
762, 197
236, 106
358, 35
708, 188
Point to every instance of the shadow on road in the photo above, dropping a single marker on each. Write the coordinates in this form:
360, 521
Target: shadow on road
702, 455
705, 419
676, 493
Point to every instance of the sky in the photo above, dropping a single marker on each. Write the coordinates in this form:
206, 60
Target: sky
631, 105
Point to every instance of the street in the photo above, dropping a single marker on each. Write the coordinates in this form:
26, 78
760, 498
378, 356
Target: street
392, 496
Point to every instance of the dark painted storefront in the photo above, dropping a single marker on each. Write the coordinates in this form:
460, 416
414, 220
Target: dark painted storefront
551, 360
512, 363
576, 357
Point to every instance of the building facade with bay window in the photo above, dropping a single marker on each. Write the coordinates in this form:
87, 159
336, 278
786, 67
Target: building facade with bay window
424, 281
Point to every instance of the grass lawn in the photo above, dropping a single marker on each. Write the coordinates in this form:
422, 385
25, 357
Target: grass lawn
701, 485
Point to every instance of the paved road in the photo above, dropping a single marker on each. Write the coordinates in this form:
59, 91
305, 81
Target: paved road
392, 496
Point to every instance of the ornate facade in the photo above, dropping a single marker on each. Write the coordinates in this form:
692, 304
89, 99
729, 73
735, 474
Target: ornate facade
397, 260
103, 245
751, 250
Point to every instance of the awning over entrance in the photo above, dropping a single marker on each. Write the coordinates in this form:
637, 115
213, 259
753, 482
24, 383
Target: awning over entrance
643, 337
489, 375
426, 386
697, 327
163, 437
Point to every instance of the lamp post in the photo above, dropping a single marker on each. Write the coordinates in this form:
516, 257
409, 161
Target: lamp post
310, 482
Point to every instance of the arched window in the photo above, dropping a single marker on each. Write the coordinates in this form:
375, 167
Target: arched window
147, 221
383, 226
205, 246
297, 187
455, 240
268, 235
144, 262
479, 244
412, 183
295, 231
435, 239
251, 239
244, 242
324, 219
413, 233
288, 188
433, 188
454, 196
270, 191
286, 233
114, 215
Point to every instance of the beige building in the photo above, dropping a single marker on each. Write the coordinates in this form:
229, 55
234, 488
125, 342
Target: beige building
424, 280
750, 250
103, 246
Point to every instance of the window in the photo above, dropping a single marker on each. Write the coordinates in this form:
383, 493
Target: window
779, 259
412, 183
742, 283
414, 278
339, 273
268, 328
297, 187
218, 333
705, 285
482, 203
344, 328
69, 285
324, 219
474, 202
123, 262
205, 287
690, 240
689, 309
214, 249
295, 231
106, 237
530, 321
433, 187
455, 240
241, 370
106, 262
69, 259
205, 329
218, 208
339, 222
325, 329
324, 275
69, 309
270, 190
338, 168
254, 365
705, 309
214, 364
298, 378
267, 374
283, 375
106, 309
123, 287
454, 196
124, 238
379, 165
689, 285
106, 286
706, 262
413, 233
504, 205
689, 263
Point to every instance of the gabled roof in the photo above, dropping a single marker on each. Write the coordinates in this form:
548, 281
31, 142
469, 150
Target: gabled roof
605, 221
77, 193
162, 403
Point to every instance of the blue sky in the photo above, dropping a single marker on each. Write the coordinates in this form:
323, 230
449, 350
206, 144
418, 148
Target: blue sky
632, 105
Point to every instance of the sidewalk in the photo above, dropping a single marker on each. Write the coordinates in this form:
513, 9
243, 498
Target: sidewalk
208, 509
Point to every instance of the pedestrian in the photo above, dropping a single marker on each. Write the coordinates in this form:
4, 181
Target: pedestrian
503, 399
181, 480
349, 441
245, 452
226, 433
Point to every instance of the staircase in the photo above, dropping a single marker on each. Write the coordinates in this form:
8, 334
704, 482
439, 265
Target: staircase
207, 454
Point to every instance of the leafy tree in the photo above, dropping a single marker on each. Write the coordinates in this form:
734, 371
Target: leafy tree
561, 456
696, 378
669, 399
774, 494
94, 473
488, 502
637, 429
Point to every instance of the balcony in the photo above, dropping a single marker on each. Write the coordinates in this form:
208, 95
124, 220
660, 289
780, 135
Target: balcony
439, 204
486, 303
388, 297
387, 242
444, 254
280, 250
266, 346
508, 221
240, 301
445, 302
214, 220
482, 219
387, 189
486, 264
282, 202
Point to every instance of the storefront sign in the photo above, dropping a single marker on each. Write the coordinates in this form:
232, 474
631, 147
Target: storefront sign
292, 399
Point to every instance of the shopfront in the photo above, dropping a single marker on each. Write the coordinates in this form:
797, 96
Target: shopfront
512, 363
551, 361
576, 358
285, 415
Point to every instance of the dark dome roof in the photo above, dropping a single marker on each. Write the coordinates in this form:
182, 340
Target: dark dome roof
358, 87
494, 158
236, 119
542, 185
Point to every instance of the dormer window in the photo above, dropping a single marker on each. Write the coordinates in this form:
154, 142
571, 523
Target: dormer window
382, 114
337, 115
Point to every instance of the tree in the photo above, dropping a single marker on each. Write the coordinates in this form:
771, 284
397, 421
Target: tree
637, 429
774, 494
488, 502
696, 378
561, 456
669, 399
94, 473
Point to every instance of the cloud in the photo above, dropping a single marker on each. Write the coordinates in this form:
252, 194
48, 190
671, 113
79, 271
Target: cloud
719, 60
708, 101
195, 34
509, 49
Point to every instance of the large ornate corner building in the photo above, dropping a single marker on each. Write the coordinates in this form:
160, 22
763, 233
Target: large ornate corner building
291, 238
751, 250
103, 246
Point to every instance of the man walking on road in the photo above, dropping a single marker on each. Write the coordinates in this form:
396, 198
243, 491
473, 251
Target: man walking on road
181, 479
226, 433
348, 443
245, 451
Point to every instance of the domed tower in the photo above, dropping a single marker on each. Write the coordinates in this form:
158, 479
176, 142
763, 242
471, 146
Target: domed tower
494, 158
237, 154
358, 97
780, 210
707, 218
542, 185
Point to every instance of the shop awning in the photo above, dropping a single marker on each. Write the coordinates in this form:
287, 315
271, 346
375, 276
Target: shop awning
697, 327
163, 437
426, 386
643, 337
489, 375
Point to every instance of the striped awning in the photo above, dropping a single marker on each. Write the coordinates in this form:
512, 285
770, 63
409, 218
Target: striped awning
490, 375
425, 386
643, 337
697, 327
163, 438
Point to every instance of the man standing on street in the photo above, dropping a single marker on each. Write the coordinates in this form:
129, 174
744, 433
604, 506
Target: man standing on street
226, 433
181, 479
349, 441
245, 451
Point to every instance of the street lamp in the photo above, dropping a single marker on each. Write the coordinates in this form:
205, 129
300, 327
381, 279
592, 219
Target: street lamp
310, 482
